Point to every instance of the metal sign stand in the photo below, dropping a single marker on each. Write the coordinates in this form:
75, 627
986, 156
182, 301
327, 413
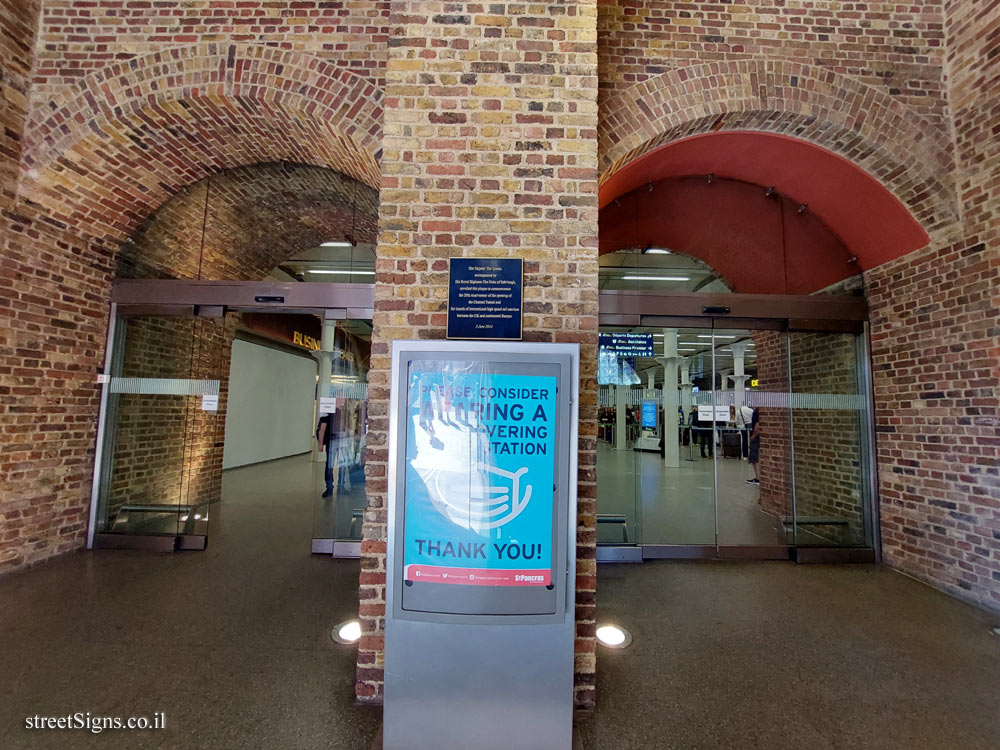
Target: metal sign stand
481, 548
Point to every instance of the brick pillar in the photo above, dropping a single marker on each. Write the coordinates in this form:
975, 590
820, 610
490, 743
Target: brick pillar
490, 149
18, 23
935, 345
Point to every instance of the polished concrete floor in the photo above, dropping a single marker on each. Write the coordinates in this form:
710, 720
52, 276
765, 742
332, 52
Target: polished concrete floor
233, 645
664, 505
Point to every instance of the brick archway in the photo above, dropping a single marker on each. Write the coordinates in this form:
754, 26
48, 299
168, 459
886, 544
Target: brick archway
111, 149
97, 162
242, 223
884, 137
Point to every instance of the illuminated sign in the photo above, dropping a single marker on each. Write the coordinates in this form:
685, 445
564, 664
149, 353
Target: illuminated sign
479, 482
627, 344
649, 414
754, 383
307, 341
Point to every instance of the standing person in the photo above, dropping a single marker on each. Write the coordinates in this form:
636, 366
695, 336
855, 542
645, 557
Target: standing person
706, 436
754, 453
744, 416
326, 436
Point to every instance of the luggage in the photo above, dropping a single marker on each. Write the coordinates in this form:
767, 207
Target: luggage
731, 445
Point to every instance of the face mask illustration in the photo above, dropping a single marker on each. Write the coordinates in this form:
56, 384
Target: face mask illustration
488, 498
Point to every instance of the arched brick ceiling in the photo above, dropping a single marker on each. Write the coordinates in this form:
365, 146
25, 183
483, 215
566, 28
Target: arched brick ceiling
849, 214
887, 139
257, 216
114, 147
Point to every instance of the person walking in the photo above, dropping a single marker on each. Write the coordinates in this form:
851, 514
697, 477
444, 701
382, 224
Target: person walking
328, 425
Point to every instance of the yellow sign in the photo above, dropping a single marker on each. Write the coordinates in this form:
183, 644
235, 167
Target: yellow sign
754, 382
307, 341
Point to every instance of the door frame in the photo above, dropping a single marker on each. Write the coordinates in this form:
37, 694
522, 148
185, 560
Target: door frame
793, 313
788, 313
205, 299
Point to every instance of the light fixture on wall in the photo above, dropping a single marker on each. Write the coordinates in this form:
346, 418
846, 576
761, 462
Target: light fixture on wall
655, 251
337, 243
656, 278
345, 272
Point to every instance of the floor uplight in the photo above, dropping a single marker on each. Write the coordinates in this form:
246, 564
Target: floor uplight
613, 636
347, 632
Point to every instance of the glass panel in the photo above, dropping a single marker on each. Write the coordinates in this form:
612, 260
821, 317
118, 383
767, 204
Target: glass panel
827, 413
619, 404
754, 498
163, 465
342, 425
678, 498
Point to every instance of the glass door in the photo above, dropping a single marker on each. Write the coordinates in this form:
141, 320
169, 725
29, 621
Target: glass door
753, 475
161, 453
625, 362
338, 495
681, 482
678, 489
828, 444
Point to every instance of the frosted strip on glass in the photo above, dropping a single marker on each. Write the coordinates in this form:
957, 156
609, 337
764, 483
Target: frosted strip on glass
164, 386
358, 391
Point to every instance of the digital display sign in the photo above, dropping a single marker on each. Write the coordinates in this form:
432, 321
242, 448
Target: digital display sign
480, 468
616, 355
649, 414
629, 345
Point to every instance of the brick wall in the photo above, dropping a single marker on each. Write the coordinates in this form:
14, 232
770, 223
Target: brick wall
79, 38
108, 144
935, 349
936, 344
52, 291
489, 150
894, 48
18, 20
935, 353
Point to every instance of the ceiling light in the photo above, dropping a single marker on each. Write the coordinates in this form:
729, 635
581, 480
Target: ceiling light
349, 273
656, 278
338, 243
656, 251
613, 636
718, 336
347, 632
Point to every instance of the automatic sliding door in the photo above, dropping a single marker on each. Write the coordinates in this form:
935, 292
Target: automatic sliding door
161, 467
752, 434
679, 496
338, 490
828, 449
621, 438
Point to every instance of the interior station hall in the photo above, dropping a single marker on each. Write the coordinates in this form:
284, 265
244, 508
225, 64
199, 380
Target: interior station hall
770, 234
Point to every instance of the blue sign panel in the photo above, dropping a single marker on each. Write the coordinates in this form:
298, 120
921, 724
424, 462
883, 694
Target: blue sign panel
480, 466
627, 344
484, 298
649, 414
